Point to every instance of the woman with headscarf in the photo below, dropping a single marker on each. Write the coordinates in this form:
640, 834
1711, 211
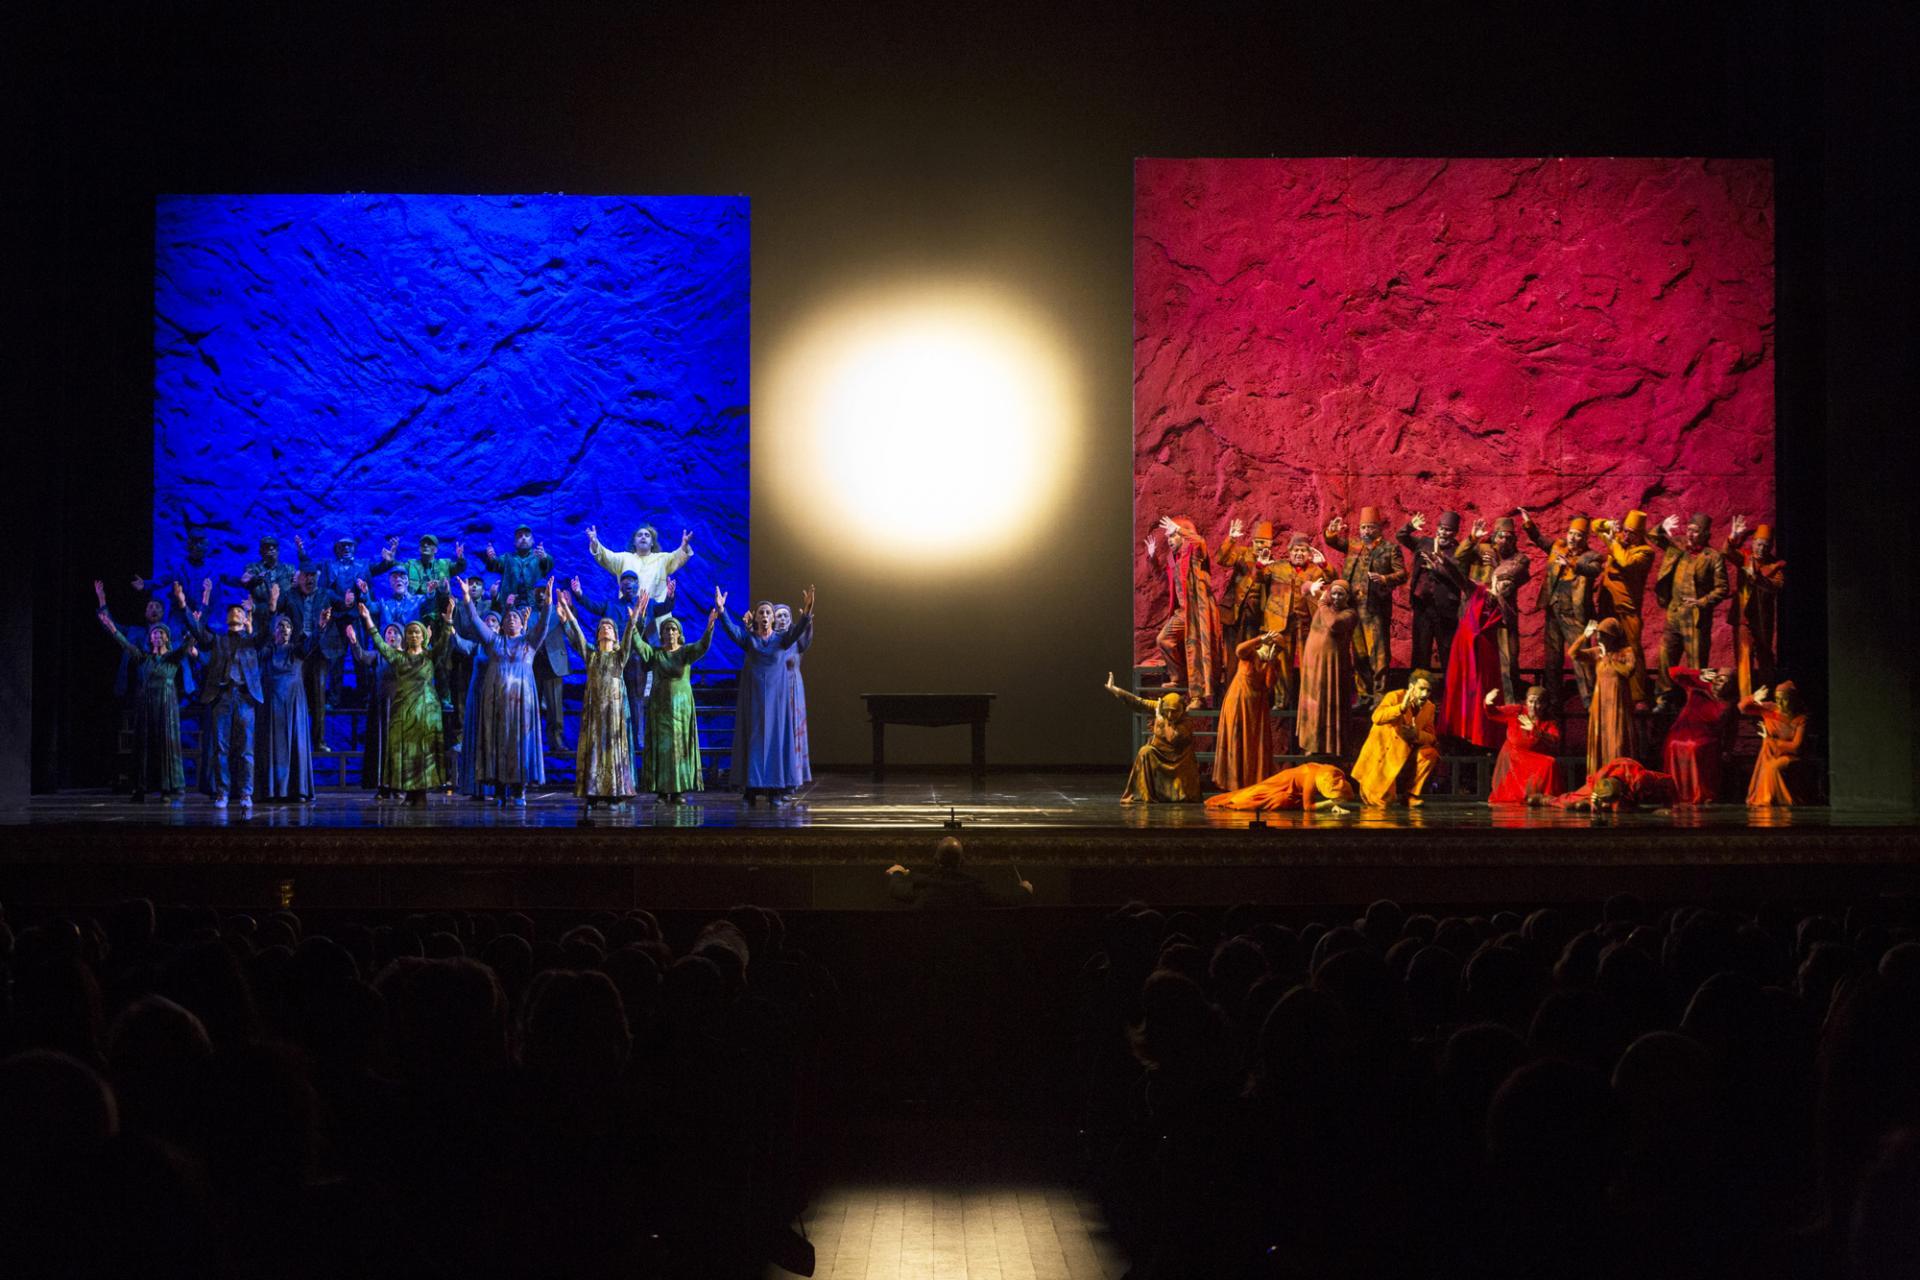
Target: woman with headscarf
670, 767
603, 756
1783, 732
1614, 664
1696, 743
155, 675
1326, 671
1243, 735
282, 732
414, 753
508, 744
373, 744
1165, 768
768, 742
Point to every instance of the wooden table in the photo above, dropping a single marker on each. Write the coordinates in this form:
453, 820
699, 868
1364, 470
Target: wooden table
932, 710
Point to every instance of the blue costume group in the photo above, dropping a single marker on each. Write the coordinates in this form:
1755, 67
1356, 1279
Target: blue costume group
262, 681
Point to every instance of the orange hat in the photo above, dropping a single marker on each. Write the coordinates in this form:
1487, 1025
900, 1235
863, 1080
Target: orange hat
1263, 531
1578, 524
1636, 521
1370, 515
1763, 533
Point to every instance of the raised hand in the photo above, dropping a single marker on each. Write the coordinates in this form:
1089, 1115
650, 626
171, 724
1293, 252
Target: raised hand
574, 582
593, 535
1493, 696
539, 548
490, 554
1524, 517
1110, 685
352, 638
511, 599
1319, 556
246, 577
806, 600
1149, 549
326, 616
179, 594
466, 591
459, 551
206, 590
139, 583
364, 589
1590, 629
1167, 525
719, 597
273, 595
1760, 694
672, 587
686, 539
1479, 530
1337, 525
106, 621
365, 615
1235, 528
713, 616
447, 612
100, 592
393, 544
300, 544
1418, 520
1739, 526
1315, 587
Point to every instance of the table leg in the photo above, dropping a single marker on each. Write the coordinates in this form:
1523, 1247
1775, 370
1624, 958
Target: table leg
879, 751
979, 755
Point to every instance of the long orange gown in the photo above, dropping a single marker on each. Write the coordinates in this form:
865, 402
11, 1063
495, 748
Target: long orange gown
1779, 751
1610, 714
1526, 766
1326, 681
1243, 735
1297, 788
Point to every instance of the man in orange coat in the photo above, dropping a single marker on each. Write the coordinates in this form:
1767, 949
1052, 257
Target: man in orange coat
1245, 596
1287, 611
1622, 585
1758, 576
1190, 637
1402, 735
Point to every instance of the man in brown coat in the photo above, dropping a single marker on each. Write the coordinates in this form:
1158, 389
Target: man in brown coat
1246, 565
1565, 603
1287, 610
1691, 584
1372, 569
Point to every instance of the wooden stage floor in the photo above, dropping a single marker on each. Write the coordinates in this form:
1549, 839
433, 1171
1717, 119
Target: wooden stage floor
1068, 833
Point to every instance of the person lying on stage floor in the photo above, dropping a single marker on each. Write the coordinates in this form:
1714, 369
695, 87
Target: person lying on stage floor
1526, 767
373, 743
1242, 601
1243, 735
1783, 733
769, 748
1691, 584
414, 746
1565, 603
1189, 639
1620, 587
1398, 758
507, 747
1696, 744
1473, 657
670, 766
1435, 596
231, 693
283, 737
1326, 671
1612, 662
1165, 770
155, 672
603, 756
948, 885
1312, 788
1372, 570
1758, 576
520, 570
465, 646
1288, 611
648, 563
1620, 784
783, 623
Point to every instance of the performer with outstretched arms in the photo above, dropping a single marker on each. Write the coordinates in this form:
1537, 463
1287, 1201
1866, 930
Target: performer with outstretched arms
1473, 657
1326, 671
465, 646
1603, 647
373, 744
1402, 735
1691, 585
1243, 735
521, 570
161, 582
429, 575
550, 671
415, 750
1243, 602
1783, 733
649, 564
783, 623
767, 746
1372, 570
155, 670
1619, 589
231, 692
635, 675
1165, 770
507, 746
603, 757
1189, 640
1758, 576
671, 766
1435, 596
1493, 557
1288, 612
1526, 767
1565, 603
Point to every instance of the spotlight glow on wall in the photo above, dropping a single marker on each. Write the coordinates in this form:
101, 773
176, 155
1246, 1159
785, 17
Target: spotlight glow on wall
934, 422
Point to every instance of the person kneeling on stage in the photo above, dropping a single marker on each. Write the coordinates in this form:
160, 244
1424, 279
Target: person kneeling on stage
1165, 769
1402, 736
1312, 788
1525, 768
1621, 784
948, 885
1783, 731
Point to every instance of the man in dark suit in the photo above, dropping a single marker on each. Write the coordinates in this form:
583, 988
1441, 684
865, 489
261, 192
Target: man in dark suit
230, 691
550, 671
947, 885
1436, 600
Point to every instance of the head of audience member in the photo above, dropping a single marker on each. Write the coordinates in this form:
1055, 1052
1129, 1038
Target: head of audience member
646, 540
576, 1027
447, 1019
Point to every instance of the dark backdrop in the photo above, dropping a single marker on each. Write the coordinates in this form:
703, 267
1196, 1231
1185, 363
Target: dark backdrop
877, 138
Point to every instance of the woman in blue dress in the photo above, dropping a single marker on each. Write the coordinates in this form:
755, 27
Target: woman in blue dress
783, 622
155, 674
769, 729
282, 731
508, 747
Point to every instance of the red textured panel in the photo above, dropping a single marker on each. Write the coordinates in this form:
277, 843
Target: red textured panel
1568, 335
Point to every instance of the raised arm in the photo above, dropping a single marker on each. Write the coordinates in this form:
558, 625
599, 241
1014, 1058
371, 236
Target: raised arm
132, 649
1532, 530
537, 632
604, 558
1132, 699
682, 553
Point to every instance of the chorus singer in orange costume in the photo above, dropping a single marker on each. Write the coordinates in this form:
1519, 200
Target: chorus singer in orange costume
1242, 602
1288, 611
1624, 568
1165, 769
1783, 731
1243, 736
1314, 788
1603, 649
1189, 639
1402, 736
1326, 671
1759, 575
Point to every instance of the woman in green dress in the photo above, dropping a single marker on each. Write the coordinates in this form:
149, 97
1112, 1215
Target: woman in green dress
671, 766
157, 763
603, 759
415, 760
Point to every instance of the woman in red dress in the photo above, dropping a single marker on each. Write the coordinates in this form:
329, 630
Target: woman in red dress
1783, 731
1526, 767
1326, 671
1473, 664
1697, 742
1243, 735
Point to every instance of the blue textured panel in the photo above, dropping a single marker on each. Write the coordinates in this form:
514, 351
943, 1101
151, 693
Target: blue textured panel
393, 365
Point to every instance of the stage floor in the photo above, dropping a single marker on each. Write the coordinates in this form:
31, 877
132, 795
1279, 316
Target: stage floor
1068, 833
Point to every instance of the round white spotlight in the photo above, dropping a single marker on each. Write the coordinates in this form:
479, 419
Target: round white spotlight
935, 422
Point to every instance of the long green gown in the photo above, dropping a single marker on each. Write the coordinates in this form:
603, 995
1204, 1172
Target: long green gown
672, 760
157, 762
415, 756
603, 760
